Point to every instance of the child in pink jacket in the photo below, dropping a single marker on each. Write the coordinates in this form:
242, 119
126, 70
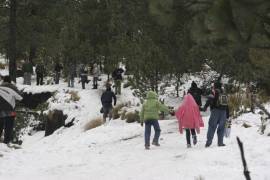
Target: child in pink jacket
189, 118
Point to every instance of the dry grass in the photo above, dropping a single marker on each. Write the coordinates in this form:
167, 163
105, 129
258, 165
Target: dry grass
123, 114
74, 96
93, 123
239, 103
132, 117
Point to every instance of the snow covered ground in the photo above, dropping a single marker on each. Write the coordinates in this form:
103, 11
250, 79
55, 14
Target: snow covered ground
116, 150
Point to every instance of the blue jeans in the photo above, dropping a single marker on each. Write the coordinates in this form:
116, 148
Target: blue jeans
217, 121
147, 134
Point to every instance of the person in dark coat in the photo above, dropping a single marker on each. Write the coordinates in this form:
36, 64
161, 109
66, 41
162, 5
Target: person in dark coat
8, 94
218, 117
106, 100
196, 93
58, 68
84, 75
71, 74
27, 69
117, 76
40, 71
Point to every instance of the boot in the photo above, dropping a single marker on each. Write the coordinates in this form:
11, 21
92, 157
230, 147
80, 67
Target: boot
147, 147
220, 145
155, 143
188, 145
194, 139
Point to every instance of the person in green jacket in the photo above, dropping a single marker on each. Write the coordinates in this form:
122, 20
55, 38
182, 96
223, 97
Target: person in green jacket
150, 115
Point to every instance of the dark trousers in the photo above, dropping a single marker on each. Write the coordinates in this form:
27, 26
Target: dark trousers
107, 111
217, 121
95, 82
84, 80
147, 133
193, 132
39, 79
117, 85
7, 124
57, 77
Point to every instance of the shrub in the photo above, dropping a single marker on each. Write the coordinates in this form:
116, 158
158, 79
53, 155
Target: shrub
127, 84
93, 123
2, 66
123, 114
132, 117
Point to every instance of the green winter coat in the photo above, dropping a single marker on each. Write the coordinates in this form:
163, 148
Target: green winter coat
152, 107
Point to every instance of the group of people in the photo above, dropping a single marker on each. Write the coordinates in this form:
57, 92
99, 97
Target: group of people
188, 115
71, 71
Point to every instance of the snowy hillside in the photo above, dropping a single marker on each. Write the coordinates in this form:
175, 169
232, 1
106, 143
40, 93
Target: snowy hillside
116, 150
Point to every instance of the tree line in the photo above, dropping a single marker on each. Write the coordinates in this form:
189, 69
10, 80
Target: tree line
153, 38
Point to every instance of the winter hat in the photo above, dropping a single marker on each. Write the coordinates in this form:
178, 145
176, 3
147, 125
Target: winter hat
193, 84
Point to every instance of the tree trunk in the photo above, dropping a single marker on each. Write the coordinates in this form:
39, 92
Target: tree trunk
12, 51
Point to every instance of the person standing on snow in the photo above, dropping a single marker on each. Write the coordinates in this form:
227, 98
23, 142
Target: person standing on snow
96, 74
118, 78
196, 93
71, 74
84, 75
150, 115
8, 94
218, 103
58, 68
106, 100
27, 69
40, 71
189, 118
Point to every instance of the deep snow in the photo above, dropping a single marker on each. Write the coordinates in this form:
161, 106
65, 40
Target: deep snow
116, 150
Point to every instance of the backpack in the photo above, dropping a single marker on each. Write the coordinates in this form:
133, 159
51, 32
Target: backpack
222, 99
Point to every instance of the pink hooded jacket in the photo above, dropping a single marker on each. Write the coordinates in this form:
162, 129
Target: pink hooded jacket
188, 115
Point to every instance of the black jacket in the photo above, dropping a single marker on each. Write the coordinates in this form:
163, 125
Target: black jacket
58, 67
196, 93
107, 97
212, 102
117, 74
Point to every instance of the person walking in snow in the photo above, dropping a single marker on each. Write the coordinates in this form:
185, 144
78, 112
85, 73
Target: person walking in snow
149, 116
8, 94
40, 71
189, 118
96, 74
196, 93
118, 78
27, 69
106, 100
218, 103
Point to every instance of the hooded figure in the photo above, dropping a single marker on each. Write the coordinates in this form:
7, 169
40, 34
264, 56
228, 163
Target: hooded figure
150, 115
188, 115
196, 93
189, 118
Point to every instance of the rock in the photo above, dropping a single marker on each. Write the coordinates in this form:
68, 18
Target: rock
245, 125
54, 120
